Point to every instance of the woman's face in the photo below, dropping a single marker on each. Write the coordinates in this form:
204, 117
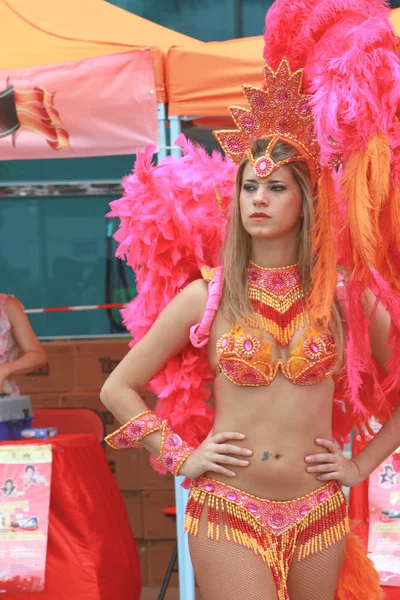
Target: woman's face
271, 207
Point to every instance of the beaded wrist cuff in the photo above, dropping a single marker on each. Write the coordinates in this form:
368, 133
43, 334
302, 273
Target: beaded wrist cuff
132, 432
174, 451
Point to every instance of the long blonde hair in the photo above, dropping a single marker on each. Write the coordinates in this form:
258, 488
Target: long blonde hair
236, 251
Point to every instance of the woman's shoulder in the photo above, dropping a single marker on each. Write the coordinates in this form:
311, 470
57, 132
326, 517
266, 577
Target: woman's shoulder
4, 301
199, 289
195, 295
12, 305
208, 293
10, 299
12, 302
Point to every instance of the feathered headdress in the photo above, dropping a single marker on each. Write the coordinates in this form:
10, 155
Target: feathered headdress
171, 225
347, 50
279, 111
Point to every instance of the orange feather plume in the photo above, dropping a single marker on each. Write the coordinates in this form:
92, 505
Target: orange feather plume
324, 248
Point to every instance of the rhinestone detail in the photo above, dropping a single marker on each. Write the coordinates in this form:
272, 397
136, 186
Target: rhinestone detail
276, 516
277, 298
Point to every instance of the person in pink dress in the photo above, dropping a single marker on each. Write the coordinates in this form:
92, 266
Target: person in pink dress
20, 349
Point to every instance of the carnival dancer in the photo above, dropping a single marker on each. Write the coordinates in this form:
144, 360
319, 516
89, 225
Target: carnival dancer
298, 317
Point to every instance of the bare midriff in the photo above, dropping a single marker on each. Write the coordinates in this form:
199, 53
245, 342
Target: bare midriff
281, 422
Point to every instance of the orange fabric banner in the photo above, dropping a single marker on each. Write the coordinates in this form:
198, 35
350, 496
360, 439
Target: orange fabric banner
203, 80
93, 107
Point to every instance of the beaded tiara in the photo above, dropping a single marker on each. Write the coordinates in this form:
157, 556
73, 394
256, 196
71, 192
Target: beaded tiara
278, 112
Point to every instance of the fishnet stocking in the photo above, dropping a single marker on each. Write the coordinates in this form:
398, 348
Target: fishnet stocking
316, 577
226, 571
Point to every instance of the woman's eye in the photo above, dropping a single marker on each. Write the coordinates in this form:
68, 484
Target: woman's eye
249, 188
277, 188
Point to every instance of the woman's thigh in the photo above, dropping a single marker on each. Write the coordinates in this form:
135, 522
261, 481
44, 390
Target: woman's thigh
226, 571
316, 577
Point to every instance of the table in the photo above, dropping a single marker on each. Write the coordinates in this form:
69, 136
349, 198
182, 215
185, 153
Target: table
359, 511
91, 553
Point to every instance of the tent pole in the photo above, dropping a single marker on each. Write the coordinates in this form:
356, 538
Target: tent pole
185, 569
175, 129
162, 132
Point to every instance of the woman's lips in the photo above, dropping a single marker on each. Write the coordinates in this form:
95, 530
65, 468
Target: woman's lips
259, 217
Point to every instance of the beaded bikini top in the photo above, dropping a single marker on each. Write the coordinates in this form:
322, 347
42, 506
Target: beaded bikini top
245, 353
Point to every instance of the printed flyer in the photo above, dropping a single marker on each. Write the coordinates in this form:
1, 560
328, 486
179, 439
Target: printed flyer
25, 481
384, 525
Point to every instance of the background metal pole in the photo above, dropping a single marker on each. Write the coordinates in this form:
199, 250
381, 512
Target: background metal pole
162, 131
175, 129
185, 570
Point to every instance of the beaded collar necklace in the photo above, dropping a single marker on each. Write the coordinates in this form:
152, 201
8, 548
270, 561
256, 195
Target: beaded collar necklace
276, 296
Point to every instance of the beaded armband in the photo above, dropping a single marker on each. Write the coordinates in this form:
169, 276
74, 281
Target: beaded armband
174, 451
132, 432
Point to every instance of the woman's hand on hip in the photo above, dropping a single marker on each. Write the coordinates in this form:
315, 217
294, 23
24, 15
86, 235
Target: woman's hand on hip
215, 455
333, 465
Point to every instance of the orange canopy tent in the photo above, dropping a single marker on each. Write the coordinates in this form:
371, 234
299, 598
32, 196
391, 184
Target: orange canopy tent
57, 31
203, 80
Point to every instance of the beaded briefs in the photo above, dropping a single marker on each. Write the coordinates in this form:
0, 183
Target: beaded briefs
274, 530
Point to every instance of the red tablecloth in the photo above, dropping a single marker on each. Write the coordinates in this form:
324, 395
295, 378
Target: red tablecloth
91, 552
359, 511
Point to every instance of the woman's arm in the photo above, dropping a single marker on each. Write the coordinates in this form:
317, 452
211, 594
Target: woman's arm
166, 338
33, 354
334, 465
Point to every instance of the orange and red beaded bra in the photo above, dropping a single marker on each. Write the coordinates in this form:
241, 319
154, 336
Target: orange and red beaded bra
245, 354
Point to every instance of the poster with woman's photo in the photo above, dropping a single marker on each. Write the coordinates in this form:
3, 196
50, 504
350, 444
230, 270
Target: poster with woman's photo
25, 481
384, 522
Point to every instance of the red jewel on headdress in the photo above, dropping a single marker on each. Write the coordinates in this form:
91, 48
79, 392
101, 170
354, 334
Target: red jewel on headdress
284, 126
249, 123
234, 144
304, 108
263, 166
282, 96
258, 101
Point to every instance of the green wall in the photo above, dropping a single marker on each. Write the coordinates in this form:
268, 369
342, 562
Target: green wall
53, 250
206, 20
